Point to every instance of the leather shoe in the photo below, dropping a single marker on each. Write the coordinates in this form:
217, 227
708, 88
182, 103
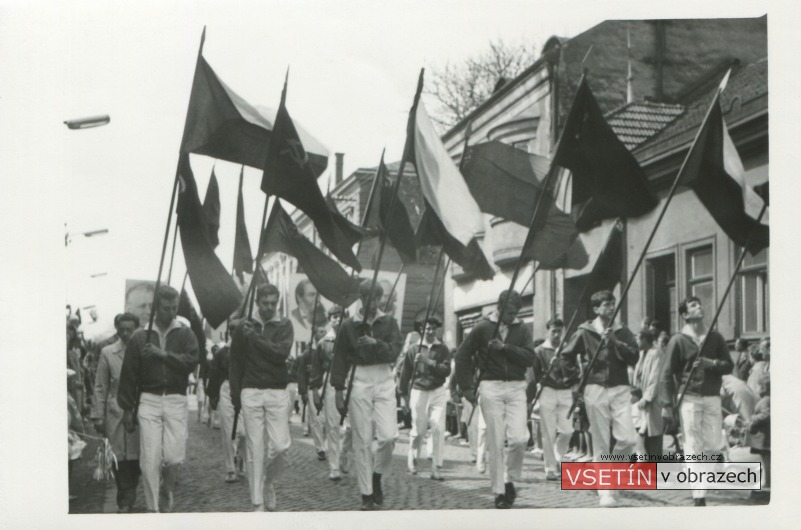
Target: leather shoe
367, 503
501, 503
511, 494
378, 494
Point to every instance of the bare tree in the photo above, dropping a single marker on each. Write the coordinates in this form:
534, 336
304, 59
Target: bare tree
461, 87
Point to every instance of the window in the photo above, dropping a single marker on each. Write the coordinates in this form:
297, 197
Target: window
701, 278
754, 301
661, 302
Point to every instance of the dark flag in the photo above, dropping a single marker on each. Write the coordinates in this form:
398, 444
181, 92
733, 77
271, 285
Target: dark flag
214, 288
288, 174
503, 180
243, 257
399, 228
222, 125
187, 310
607, 180
355, 232
330, 279
715, 173
211, 210
608, 269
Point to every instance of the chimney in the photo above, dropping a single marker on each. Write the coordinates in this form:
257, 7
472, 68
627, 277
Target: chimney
338, 171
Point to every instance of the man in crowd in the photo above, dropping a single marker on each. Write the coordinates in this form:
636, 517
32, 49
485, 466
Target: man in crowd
422, 383
502, 362
607, 394
258, 380
219, 393
153, 380
310, 405
370, 342
557, 378
700, 410
107, 415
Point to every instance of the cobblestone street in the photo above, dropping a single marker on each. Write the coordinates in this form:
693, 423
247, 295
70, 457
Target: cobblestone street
305, 485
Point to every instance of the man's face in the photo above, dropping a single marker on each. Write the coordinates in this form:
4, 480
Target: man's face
764, 349
308, 296
374, 303
430, 332
334, 320
166, 312
509, 313
319, 333
555, 334
267, 306
140, 303
605, 310
642, 344
125, 330
695, 311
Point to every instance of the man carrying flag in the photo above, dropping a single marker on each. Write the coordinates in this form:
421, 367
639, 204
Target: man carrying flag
372, 342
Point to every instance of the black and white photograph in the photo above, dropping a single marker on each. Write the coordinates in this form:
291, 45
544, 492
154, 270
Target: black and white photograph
439, 261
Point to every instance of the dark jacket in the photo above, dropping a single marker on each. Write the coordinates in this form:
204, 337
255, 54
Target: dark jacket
564, 373
218, 371
509, 364
157, 376
321, 358
303, 369
611, 366
384, 329
260, 361
758, 436
682, 351
425, 377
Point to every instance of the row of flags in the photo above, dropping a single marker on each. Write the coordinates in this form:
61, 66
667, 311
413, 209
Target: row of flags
605, 182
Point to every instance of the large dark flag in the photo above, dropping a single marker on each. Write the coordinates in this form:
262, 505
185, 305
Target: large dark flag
330, 279
288, 174
220, 124
608, 269
243, 257
454, 218
715, 173
399, 227
503, 180
214, 288
607, 180
187, 310
211, 210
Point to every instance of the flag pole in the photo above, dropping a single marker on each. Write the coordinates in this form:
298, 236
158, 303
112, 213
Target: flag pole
383, 237
720, 305
394, 286
585, 376
172, 255
172, 202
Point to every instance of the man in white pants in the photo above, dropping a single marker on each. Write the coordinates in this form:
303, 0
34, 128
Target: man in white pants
154, 377
429, 364
607, 396
502, 363
700, 410
258, 378
219, 392
371, 345
557, 382
313, 422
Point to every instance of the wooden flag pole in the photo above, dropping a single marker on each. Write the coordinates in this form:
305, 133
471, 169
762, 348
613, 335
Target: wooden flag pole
585, 376
720, 306
172, 254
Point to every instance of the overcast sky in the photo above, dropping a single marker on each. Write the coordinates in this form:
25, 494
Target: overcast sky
354, 67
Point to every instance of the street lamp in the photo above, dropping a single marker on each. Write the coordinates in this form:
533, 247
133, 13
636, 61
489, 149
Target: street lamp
87, 123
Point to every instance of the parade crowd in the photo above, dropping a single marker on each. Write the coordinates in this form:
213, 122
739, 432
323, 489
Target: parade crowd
501, 391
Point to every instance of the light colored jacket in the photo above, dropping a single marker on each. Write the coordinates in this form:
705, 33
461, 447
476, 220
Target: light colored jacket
648, 378
107, 379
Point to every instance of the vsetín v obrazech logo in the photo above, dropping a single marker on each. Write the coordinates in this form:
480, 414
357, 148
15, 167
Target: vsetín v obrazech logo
661, 475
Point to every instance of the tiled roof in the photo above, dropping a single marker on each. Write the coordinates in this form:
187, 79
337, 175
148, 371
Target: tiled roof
634, 123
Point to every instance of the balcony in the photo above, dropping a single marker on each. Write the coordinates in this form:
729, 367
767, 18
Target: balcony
507, 241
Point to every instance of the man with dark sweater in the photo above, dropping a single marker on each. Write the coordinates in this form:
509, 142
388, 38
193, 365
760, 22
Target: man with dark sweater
258, 379
371, 343
219, 392
422, 383
607, 396
502, 363
312, 421
153, 381
700, 413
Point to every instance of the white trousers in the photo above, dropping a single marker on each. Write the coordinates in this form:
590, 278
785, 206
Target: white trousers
503, 404
315, 423
226, 410
701, 421
556, 428
428, 413
265, 409
162, 441
338, 438
476, 432
372, 402
292, 396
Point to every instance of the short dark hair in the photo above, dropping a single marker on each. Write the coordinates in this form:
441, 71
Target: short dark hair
647, 335
267, 290
654, 323
684, 303
514, 298
554, 323
434, 321
335, 310
166, 293
126, 317
364, 288
600, 297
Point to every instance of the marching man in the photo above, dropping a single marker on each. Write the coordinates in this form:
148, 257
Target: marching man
219, 392
310, 405
371, 344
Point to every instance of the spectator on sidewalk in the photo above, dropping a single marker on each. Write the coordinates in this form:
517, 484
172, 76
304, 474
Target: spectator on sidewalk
649, 394
107, 415
152, 391
743, 359
758, 437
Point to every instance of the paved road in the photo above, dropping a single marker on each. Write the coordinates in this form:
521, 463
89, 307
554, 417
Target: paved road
305, 486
